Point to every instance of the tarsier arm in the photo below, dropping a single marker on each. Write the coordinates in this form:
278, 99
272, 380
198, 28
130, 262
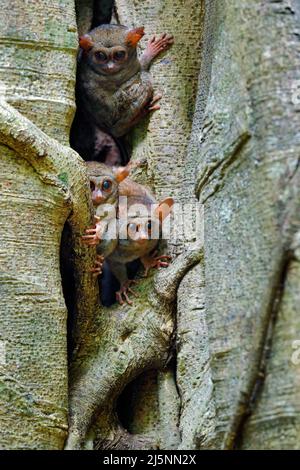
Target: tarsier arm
141, 103
155, 47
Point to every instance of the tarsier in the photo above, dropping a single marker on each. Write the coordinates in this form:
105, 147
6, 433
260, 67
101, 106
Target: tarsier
115, 86
104, 185
139, 229
114, 89
139, 226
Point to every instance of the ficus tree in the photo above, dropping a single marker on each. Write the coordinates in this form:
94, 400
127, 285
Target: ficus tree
208, 355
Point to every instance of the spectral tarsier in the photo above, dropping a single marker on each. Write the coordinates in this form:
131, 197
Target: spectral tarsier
104, 185
139, 232
139, 229
115, 89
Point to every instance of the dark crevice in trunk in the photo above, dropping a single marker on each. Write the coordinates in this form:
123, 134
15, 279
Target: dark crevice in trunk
126, 401
102, 12
257, 388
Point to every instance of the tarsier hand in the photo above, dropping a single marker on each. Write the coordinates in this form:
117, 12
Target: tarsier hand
155, 261
156, 45
93, 234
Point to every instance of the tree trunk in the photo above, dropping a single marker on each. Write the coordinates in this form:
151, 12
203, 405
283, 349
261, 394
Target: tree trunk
207, 357
42, 184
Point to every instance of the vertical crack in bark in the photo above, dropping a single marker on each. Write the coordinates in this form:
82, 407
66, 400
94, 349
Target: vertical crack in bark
258, 383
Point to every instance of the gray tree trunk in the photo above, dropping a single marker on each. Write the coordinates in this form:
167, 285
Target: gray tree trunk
43, 183
227, 136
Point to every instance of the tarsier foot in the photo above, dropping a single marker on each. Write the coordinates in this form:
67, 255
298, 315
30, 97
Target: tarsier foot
153, 106
97, 269
123, 292
157, 45
154, 261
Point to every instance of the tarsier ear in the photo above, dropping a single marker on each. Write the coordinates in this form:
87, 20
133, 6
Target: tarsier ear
133, 36
164, 208
121, 172
86, 42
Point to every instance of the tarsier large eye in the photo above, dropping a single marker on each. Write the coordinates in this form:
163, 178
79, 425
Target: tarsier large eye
92, 186
119, 56
100, 56
149, 225
132, 229
106, 185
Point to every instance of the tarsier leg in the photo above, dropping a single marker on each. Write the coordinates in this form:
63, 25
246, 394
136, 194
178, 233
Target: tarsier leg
124, 290
155, 261
152, 105
154, 47
120, 272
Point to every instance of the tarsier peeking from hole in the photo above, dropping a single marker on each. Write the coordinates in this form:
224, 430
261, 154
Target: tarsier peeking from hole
114, 92
114, 88
136, 230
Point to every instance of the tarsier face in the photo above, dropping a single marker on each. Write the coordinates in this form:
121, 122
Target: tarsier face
110, 60
141, 223
104, 182
142, 229
102, 188
110, 48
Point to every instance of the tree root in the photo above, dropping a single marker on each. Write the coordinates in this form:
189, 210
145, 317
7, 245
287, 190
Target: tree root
123, 342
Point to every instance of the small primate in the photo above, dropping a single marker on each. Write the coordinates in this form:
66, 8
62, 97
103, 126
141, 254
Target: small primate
104, 184
139, 231
94, 144
139, 227
115, 89
107, 149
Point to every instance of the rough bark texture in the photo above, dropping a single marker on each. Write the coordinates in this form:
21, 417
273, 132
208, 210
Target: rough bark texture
164, 140
246, 149
122, 343
42, 184
226, 135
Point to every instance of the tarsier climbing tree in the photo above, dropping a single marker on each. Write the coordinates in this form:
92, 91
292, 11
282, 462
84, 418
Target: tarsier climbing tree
206, 357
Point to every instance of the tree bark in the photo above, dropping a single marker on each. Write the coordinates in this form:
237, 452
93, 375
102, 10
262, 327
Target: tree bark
246, 149
43, 183
207, 356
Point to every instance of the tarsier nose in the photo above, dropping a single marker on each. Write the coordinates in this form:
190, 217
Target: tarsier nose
143, 237
98, 197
